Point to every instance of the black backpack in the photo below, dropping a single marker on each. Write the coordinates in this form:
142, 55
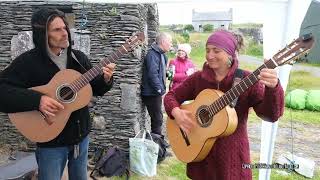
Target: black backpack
163, 145
113, 163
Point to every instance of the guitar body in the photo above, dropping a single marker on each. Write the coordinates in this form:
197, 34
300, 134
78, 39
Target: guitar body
32, 124
202, 138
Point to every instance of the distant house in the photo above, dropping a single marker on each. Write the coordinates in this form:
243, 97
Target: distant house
219, 19
311, 24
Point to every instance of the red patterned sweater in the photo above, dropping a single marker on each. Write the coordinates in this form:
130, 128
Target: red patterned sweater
224, 162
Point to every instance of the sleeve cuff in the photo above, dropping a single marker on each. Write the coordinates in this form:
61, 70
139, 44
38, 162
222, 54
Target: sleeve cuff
275, 89
109, 82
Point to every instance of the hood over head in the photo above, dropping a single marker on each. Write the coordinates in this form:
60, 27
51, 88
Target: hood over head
40, 21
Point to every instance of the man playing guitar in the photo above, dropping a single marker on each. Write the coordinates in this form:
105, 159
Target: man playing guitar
52, 53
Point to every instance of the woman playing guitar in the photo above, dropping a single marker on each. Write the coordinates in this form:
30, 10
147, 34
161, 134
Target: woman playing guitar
226, 157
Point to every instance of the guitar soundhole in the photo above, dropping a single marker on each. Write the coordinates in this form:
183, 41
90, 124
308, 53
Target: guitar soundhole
65, 94
203, 116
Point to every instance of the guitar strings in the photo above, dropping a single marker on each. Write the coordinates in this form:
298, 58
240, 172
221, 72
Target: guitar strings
82, 81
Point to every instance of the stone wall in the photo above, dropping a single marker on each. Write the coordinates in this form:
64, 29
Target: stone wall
119, 114
255, 33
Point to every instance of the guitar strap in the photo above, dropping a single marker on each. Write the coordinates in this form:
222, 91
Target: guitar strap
75, 58
236, 80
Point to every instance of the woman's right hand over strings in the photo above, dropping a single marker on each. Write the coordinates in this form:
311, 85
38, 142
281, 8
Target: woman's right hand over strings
184, 119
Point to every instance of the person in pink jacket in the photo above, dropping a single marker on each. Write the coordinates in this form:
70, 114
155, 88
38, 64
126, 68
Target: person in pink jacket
181, 67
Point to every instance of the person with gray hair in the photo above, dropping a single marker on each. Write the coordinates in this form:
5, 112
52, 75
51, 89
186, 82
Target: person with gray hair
154, 79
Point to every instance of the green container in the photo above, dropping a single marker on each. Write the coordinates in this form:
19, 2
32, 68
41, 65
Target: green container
313, 100
296, 99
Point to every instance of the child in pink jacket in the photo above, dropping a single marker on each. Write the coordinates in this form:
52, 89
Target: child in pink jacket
181, 67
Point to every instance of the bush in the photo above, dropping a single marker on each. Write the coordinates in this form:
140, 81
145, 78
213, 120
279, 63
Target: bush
253, 49
177, 39
207, 28
188, 28
173, 27
186, 37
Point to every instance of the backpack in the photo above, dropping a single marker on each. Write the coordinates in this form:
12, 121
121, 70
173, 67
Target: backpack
163, 145
112, 163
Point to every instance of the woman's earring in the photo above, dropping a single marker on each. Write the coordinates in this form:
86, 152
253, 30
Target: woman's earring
229, 61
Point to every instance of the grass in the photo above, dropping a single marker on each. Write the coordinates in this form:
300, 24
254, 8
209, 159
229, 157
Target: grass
247, 25
296, 116
170, 168
277, 175
252, 48
173, 169
308, 64
303, 80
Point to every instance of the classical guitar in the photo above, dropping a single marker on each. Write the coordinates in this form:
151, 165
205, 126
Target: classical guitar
70, 88
211, 111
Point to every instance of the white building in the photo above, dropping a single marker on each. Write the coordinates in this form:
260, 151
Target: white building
219, 19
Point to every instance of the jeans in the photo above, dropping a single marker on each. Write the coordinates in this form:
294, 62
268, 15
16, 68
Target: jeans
52, 161
154, 105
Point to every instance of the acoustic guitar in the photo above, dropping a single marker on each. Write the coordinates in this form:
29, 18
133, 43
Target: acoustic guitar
212, 114
70, 88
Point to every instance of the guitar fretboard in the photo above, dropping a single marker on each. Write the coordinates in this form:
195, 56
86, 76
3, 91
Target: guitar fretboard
96, 70
238, 89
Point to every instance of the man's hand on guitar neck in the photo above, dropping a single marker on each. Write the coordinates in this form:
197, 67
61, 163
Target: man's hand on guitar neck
108, 71
183, 119
49, 107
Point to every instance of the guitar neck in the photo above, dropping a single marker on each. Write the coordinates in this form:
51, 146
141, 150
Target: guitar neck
238, 89
96, 70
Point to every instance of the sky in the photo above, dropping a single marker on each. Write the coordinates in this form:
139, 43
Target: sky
181, 13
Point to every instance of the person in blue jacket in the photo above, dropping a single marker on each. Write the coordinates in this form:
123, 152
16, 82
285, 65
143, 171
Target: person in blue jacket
154, 79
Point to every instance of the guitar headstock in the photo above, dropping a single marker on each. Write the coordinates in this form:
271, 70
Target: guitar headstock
291, 53
134, 41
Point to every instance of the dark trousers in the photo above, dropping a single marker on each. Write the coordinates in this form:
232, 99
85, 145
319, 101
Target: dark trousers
154, 104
